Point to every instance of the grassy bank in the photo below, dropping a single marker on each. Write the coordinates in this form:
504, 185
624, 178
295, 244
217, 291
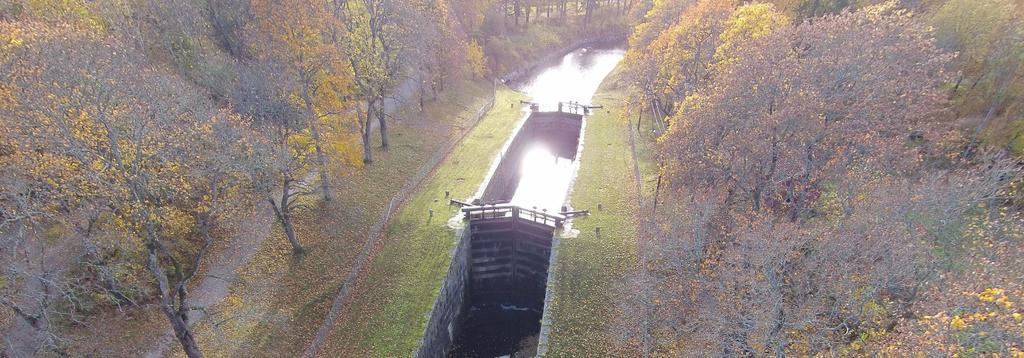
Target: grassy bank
584, 304
387, 313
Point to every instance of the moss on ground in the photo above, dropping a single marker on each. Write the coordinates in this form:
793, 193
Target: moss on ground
387, 312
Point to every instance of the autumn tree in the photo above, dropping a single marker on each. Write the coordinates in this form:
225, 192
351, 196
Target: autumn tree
438, 52
371, 38
801, 9
283, 151
140, 144
746, 24
678, 61
806, 104
32, 284
229, 19
987, 35
297, 36
803, 201
661, 15
734, 282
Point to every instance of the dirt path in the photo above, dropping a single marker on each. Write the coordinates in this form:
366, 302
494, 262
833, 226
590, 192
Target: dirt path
216, 285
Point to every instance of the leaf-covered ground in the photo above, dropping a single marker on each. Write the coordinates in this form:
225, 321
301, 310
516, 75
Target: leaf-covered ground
278, 301
974, 307
588, 266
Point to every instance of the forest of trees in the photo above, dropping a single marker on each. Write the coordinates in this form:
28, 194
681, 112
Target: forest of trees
130, 129
828, 170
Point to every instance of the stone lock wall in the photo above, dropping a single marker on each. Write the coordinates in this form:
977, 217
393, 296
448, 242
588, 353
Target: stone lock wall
444, 316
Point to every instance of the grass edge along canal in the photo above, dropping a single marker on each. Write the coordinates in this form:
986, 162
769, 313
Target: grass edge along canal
388, 311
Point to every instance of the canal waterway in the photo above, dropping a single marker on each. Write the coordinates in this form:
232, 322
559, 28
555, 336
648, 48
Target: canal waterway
547, 161
547, 174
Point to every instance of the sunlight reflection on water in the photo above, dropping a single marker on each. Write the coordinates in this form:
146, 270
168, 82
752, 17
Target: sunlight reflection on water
546, 172
576, 78
544, 180
545, 177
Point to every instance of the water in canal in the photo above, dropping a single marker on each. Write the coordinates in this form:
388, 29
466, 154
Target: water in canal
574, 78
496, 329
546, 175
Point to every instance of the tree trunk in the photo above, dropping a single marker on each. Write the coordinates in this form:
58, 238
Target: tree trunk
182, 331
177, 317
219, 30
755, 198
657, 190
367, 150
382, 121
314, 130
589, 13
283, 214
526, 20
515, 11
421, 90
289, 231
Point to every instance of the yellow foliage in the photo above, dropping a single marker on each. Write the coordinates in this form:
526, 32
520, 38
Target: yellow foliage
978, 317
345, 145
233, 300
11, 40
990, 294
684, 51
747, 23
65, 10
1005, 302
476, 58
957, 323
301, 145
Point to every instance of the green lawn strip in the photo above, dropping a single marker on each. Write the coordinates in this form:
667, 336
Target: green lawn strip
387, 315
584, 302
281, 320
